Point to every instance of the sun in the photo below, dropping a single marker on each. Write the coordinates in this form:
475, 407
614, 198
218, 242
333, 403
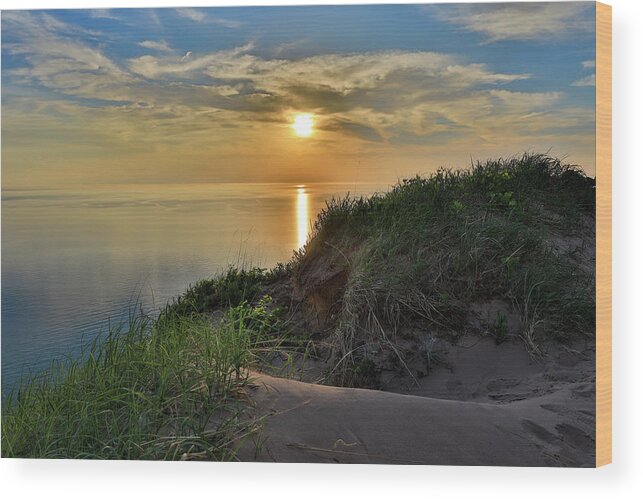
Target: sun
303, 125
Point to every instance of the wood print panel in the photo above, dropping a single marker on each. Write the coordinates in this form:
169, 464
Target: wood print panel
603, 234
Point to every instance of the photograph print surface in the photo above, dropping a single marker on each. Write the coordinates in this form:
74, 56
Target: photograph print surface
321, 234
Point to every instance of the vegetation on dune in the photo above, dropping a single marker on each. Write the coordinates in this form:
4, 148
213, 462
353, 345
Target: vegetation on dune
230, 289
425, 253
165, 388
419, 257
431, 247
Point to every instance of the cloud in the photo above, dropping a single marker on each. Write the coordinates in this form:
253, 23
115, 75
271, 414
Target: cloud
36, 24
587, 81
226, 23
215, 104
346, 126
199, 16
161, 45
372, 97
102, 14
192, 14
183, 66
338, 73
519, 21
154, 17
363, 96
526, 101
56, 60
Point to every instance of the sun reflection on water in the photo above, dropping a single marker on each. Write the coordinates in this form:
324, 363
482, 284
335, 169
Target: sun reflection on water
302, 216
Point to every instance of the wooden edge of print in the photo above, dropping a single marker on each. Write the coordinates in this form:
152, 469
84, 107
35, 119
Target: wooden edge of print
603, 234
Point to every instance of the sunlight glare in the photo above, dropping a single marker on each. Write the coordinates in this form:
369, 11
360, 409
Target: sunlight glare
302, 216
303, 125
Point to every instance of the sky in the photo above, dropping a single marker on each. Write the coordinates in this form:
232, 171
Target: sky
185, 95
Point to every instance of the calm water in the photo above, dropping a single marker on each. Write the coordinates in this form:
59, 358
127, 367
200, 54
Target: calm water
72, 260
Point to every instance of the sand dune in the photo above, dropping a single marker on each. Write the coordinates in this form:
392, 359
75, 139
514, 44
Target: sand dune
552, 425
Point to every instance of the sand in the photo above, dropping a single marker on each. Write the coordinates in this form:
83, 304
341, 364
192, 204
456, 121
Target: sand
483, 404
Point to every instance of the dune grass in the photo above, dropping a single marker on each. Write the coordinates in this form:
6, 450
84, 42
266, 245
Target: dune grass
230, 288
428, 249
164, 388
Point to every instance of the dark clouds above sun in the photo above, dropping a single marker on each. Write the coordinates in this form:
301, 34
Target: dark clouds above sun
187, 95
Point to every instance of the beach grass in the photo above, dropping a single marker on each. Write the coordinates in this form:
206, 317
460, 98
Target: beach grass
519, 230
170, 387
232, 287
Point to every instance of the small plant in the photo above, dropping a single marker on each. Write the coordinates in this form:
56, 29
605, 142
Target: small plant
429, 350
502, 199
229, 289
364, 373
457, 207
500, 328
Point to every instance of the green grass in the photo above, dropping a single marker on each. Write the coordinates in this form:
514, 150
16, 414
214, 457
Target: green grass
423, 252
166, 388
231, 288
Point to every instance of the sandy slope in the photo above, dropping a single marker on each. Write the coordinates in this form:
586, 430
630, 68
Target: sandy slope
544, 415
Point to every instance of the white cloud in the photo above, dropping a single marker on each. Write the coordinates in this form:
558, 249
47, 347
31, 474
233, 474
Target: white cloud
102, 14
187, 65
526, 101
339, 73
154, 17
587, 81
39, 24
226, 23
161, 45
58, 61
192, 14
519, 21
200, 16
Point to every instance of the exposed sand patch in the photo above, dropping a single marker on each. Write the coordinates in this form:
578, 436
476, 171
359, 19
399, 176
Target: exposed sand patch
477, 369
492, 405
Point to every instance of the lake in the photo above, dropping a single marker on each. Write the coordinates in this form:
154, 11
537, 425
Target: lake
73, 260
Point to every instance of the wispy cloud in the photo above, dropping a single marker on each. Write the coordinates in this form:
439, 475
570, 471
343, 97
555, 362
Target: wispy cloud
192, 14
57, 60
368, 96
103, 14
154, 67
226, 23
587, 81
337, 73
40, 23
519, 21
199, 16
161, 45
